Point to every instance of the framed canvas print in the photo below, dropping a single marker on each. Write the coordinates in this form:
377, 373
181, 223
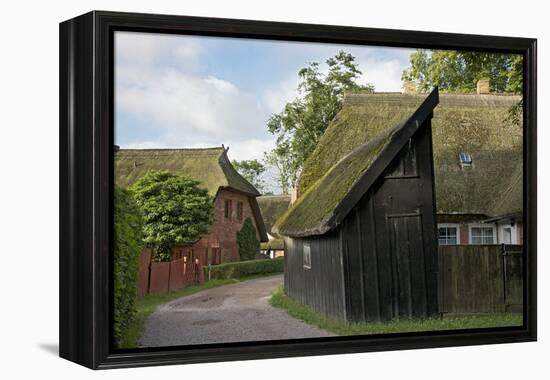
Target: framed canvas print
237, 189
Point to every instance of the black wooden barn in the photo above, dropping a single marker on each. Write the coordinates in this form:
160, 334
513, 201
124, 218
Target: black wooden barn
360, 243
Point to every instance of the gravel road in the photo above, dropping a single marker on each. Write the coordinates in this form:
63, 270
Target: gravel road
231, 313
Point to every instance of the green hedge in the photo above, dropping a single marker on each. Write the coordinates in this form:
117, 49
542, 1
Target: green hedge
127, 248
245, 268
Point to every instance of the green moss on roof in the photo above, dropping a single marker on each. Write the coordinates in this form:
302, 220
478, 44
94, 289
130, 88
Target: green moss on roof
209, 166
273, 244
313, 210
272, 207
511, 200
475, 124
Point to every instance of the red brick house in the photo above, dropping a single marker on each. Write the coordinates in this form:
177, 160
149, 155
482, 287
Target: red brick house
234, 197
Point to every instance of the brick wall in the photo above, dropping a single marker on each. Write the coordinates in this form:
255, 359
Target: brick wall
222, 233
464, 234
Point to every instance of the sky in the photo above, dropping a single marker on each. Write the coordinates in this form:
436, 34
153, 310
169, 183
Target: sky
174, 91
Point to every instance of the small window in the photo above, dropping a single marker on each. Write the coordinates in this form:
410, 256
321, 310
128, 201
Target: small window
240, 211
447, 235
404, 165
465, 159
507, 235
307, 256
482, 235
228, 208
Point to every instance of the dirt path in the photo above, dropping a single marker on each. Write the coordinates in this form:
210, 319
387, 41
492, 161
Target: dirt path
231, 313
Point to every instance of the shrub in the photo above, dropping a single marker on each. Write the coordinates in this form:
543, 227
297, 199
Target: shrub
127, 248
174, 208
245, 268
249, 245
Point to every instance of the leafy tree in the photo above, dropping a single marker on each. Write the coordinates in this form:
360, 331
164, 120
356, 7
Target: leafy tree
128, 245
249, 245
459, 71
302, 121
252, 170
175, 210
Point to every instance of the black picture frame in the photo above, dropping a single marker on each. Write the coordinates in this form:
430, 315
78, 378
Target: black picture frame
86, 179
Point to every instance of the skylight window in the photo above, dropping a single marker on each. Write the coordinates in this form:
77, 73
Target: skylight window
465, 159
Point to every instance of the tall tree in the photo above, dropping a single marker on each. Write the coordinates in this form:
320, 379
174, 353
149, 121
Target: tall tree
252, 171
459, 71
302, 121
174, 208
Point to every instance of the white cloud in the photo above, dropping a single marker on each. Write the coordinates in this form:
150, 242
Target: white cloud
385, 75
246, 149
181, 107
275, 97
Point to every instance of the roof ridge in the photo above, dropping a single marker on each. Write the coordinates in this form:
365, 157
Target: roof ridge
449, 99
168, 149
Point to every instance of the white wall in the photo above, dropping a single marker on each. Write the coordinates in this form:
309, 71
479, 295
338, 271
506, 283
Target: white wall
29, 191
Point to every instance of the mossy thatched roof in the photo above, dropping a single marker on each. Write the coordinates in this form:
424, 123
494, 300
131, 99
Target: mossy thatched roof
475, 124
210, 166
272, 207
277, 244
328, 199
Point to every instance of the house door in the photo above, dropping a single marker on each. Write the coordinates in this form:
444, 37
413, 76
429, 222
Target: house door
408, 269
214, 256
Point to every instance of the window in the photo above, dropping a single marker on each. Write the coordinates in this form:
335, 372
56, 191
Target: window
507, 235
240, 211
465, 159
447, 235
404, 165
307, 256
482, 235
228, 208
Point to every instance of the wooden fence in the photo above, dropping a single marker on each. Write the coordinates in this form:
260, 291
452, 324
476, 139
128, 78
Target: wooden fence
158, 278
480, 278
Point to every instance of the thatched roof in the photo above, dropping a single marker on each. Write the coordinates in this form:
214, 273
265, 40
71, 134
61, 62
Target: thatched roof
277, 244
210, 166
474, 124
272, 207
327, 200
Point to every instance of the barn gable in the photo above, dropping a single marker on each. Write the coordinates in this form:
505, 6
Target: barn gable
462, 123
328, 200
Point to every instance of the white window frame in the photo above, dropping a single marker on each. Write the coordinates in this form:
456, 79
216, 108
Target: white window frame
500, 231
449, 225
482, 225
307, 252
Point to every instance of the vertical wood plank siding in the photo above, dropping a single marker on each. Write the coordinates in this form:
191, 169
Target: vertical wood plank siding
389, 241
480, 278
320, 287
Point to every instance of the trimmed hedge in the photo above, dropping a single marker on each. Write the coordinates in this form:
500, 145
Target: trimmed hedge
127, 248
245, 268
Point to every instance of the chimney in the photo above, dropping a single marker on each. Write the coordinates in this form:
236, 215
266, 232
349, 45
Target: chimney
409, 87
483, 87
294, 194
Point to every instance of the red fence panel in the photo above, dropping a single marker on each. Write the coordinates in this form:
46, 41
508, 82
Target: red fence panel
143, 279
160, 276
177, 278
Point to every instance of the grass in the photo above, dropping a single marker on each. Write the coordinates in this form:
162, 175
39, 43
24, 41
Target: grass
310, 316
148, 304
